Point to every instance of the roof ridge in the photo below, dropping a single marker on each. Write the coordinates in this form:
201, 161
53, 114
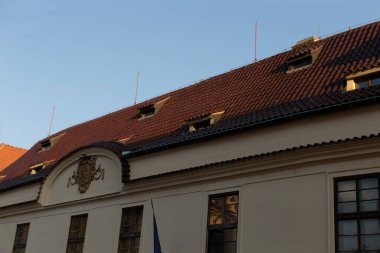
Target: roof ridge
2, 145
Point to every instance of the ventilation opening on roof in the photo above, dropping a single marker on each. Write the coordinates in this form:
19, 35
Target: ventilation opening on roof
152, 109
204, 122
363, 79
49, 143
3, 177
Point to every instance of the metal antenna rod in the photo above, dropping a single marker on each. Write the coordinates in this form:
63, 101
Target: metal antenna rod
51, 121
256, 40
137, 86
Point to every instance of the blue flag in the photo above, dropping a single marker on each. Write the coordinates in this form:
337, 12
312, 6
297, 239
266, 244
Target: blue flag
157, 245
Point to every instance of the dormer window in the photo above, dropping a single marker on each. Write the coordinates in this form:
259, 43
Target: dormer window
46, 144
152, 109
147, 111
300, 62
49, 143
204, 122
199, 124
37, 168
363, 79
304, 54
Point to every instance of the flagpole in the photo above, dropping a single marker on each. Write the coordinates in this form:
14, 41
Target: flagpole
156, 239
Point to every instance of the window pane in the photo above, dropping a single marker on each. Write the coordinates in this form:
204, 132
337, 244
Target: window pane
348, 243
348, 227
215, 248
216, 237
230, 235
347, 196
367, 183
370, 226
216, 211
370, 242
230, 214
347, 207
233, 199
375, 81
369, 194
367, 206
229, 247
348, 185
363, 85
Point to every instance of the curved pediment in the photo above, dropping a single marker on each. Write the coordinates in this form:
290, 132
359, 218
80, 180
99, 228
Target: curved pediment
86, 173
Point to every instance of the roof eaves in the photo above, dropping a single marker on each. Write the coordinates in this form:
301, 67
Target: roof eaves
256, 124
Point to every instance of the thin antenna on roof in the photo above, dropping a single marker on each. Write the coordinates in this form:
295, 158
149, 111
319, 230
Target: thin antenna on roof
256, 40
51, 121
319, 30
137, 86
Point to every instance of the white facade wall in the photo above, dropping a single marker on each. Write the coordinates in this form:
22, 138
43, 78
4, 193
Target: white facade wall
290, 212
286, 199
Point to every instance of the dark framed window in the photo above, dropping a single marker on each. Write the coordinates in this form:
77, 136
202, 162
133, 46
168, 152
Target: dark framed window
77, 233
357, 214
222, 223
21, 238
130, 229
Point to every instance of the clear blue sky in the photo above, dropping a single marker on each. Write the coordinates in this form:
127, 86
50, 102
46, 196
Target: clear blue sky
83, 55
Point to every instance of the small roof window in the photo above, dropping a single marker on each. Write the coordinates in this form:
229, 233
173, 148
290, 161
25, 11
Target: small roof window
37, 168
49, 143
302, 59
147, 111
363, 79
300, 62
152, 109
46, 144
204, 122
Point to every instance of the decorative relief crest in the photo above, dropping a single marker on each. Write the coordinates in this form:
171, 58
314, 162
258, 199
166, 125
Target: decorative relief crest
86, 173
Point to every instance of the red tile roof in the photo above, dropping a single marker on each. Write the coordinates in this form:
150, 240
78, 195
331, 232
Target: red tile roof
9, 154
249, 94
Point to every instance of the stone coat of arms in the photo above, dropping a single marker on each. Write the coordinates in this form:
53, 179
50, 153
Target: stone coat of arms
86, 173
